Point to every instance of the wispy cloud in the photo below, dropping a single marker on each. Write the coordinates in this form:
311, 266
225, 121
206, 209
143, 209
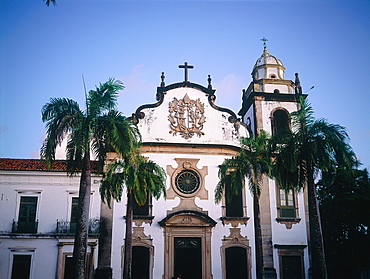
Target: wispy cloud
138, 87
229, 89
137, 80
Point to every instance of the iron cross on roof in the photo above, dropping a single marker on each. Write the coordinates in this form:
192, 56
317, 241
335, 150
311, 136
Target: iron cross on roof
264, 40
186, 67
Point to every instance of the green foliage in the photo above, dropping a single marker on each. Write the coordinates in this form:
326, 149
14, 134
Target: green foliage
140, 177
344, 199
314, 144
231, 176
251, 163
99, 128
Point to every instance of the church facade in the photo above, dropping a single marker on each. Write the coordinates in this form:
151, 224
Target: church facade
187, 234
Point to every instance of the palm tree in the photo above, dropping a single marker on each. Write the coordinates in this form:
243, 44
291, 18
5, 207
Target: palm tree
312, 147
252, 163
97, 129
141, 178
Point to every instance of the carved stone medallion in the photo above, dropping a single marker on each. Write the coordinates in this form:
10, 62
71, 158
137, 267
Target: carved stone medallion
186, 117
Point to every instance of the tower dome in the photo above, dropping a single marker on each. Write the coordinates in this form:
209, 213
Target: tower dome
268, 67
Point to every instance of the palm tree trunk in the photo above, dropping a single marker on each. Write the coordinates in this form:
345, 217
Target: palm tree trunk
81, 234
104, 270
318, 264
258, 236
128, 238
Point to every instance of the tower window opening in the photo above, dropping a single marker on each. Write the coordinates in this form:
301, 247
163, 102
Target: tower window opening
281, 122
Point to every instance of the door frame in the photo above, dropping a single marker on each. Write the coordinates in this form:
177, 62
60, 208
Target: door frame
187, 224
193, 257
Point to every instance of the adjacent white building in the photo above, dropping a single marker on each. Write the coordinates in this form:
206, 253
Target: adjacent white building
189, 135
37, 220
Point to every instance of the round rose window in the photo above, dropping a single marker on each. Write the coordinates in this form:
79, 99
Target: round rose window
187, 181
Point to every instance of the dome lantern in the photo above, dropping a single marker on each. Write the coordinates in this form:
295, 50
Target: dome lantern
268, 66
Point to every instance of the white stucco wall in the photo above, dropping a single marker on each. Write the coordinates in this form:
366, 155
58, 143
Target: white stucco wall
161, 207
269, 106
284, 89
250, 114
155, 127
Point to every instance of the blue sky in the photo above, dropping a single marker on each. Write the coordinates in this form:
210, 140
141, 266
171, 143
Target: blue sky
45, 50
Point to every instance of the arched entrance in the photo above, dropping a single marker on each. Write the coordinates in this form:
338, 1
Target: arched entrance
188, 257
188, 244
140, 262
236, 262
236, 256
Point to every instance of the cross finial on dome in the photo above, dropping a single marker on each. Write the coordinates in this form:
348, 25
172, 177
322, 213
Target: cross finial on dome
264, 42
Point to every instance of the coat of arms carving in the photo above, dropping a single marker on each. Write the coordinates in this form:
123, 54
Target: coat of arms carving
186, 117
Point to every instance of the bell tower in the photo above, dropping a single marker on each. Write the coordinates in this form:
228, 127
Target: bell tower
267, 93
267, 103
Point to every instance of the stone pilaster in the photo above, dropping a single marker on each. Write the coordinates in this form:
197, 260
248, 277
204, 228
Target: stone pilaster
60, 261
92, 256
265, 207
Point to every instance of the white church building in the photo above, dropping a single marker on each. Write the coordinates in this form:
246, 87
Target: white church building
189, 136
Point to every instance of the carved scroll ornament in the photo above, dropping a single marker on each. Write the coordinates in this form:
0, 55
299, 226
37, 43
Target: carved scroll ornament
186, 117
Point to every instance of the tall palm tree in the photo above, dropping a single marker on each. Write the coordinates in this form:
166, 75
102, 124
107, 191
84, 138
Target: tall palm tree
252, 163
141, 178
98, 128
312, 147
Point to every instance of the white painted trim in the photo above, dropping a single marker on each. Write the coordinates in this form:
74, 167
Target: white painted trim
27, 193
20, 251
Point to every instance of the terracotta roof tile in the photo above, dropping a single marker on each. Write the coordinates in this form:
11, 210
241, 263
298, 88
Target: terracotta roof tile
35, 165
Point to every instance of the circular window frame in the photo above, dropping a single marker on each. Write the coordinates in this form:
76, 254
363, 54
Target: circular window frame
186, 176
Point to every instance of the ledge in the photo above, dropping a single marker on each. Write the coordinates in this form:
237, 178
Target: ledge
204, 219
234, 221
139, 220
288, 222
142, 217
289, 246
43, 235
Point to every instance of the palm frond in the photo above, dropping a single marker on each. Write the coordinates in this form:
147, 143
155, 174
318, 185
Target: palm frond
141, 179
224, 179
156, 179
335, 140
74, 155
111, 186
114, 132
59, 107
314, 144
253, 161
303, 117
48, 2
60, 115
104, 97
123, 135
